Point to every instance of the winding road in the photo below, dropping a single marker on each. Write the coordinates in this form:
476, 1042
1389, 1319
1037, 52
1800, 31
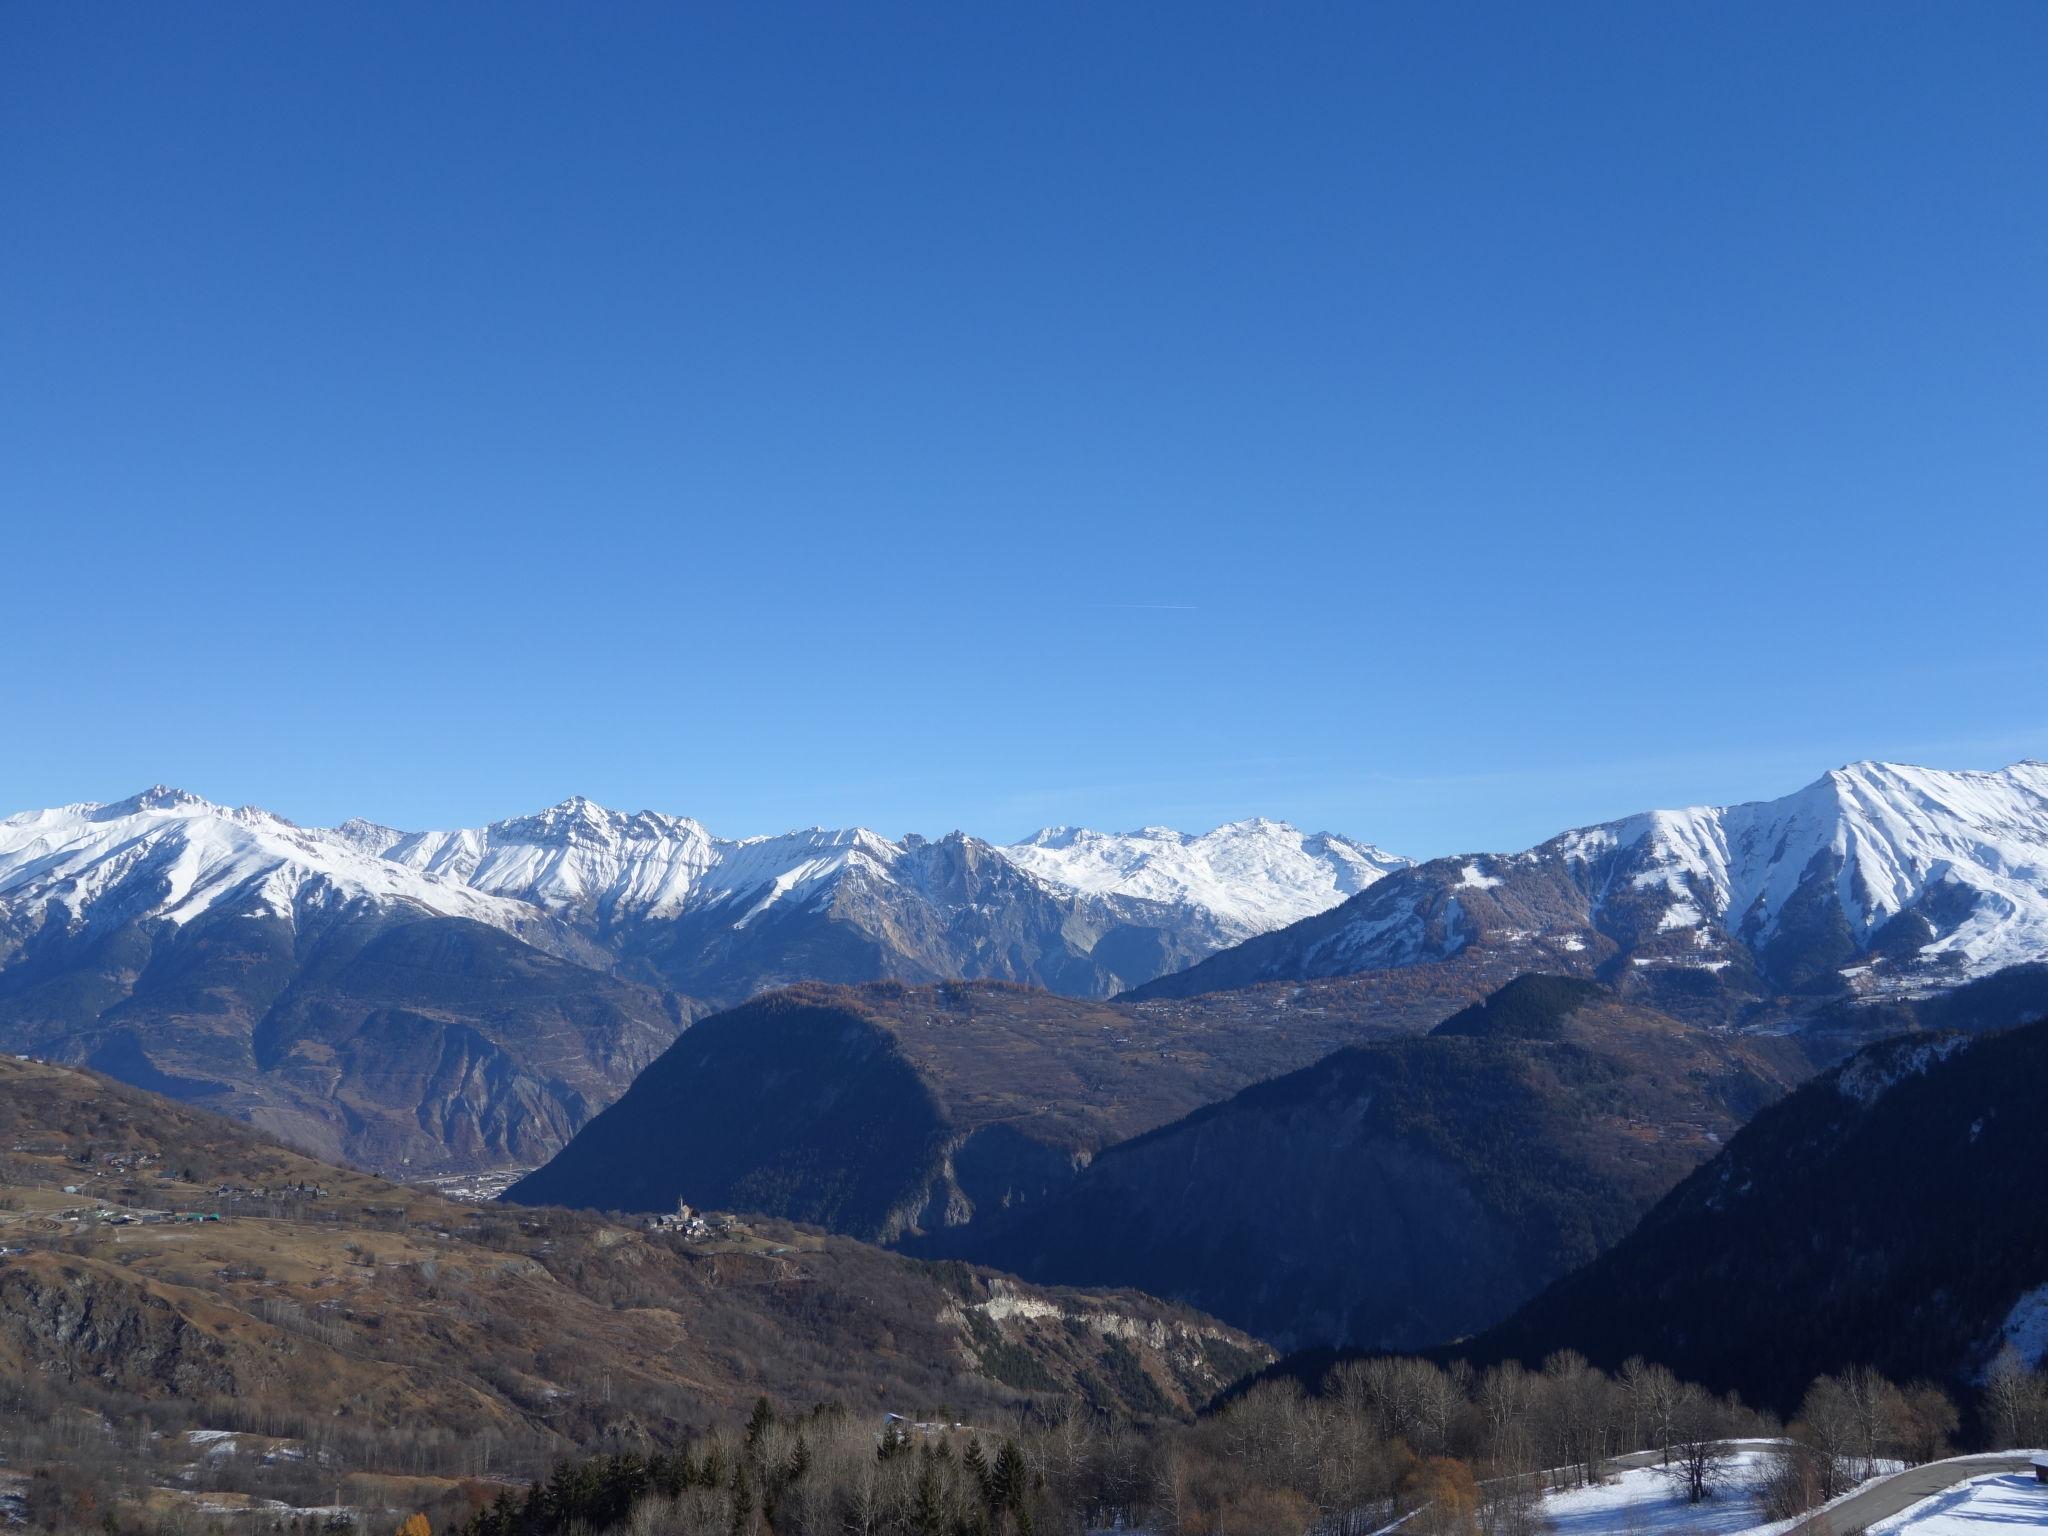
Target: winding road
1882, 1500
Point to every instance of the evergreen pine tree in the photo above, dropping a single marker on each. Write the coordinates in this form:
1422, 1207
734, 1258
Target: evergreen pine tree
977, 1469
927, 1514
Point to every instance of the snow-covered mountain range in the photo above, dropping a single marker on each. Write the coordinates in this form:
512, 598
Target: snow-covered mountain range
470, 998
1876, 876
1252, 876
165, 854
578, 871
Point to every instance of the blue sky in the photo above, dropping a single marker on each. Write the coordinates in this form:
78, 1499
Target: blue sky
1439, 423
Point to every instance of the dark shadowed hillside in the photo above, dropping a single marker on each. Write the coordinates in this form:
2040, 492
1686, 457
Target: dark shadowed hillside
1887, 1213
1400, 1191
881, 1109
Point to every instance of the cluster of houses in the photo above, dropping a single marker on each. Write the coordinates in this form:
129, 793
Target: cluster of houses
110, 1216
693, 1225
298, 1191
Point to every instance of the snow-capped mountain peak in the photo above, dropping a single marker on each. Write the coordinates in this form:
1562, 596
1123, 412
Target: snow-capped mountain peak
1876, 875
169, 854
1253, 875
1882, 839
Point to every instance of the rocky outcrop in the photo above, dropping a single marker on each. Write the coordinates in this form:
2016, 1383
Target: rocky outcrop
87, 1323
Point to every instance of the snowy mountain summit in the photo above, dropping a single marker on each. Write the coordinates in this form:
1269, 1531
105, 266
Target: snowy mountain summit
166, 854
1252, 875
1873, 868
1877, 876
584, 880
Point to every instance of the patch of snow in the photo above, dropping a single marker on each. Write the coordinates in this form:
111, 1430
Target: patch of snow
1881, 835
1983, 1506
1474, 879
2026, 1325
174, 856
1967, 851
1867, 1077
1643, 1501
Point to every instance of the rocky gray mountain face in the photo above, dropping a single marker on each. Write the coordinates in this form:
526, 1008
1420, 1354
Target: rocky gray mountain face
1076, 912
379, 1036
1876, 879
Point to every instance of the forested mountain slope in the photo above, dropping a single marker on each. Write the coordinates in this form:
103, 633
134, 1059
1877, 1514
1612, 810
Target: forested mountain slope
1405, 1190
1888, 1213
881, 1109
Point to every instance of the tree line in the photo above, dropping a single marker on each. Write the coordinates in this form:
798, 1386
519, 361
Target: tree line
1458, 1452
1450, 1450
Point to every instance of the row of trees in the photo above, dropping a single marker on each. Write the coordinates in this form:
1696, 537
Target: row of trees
1460, 1452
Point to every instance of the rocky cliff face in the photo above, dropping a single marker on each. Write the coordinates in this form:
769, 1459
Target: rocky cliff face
89, 1325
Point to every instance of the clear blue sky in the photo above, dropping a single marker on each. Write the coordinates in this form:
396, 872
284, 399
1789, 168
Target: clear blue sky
1439, 423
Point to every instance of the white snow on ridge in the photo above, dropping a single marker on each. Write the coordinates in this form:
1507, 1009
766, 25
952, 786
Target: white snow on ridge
167, 854
1867, 1078
1896, 831
1251, 875
1966, 852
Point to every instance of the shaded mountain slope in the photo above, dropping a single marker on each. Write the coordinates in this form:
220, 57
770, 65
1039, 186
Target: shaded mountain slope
1887, 1213
880, 1109
1401, 1191
377, 1035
